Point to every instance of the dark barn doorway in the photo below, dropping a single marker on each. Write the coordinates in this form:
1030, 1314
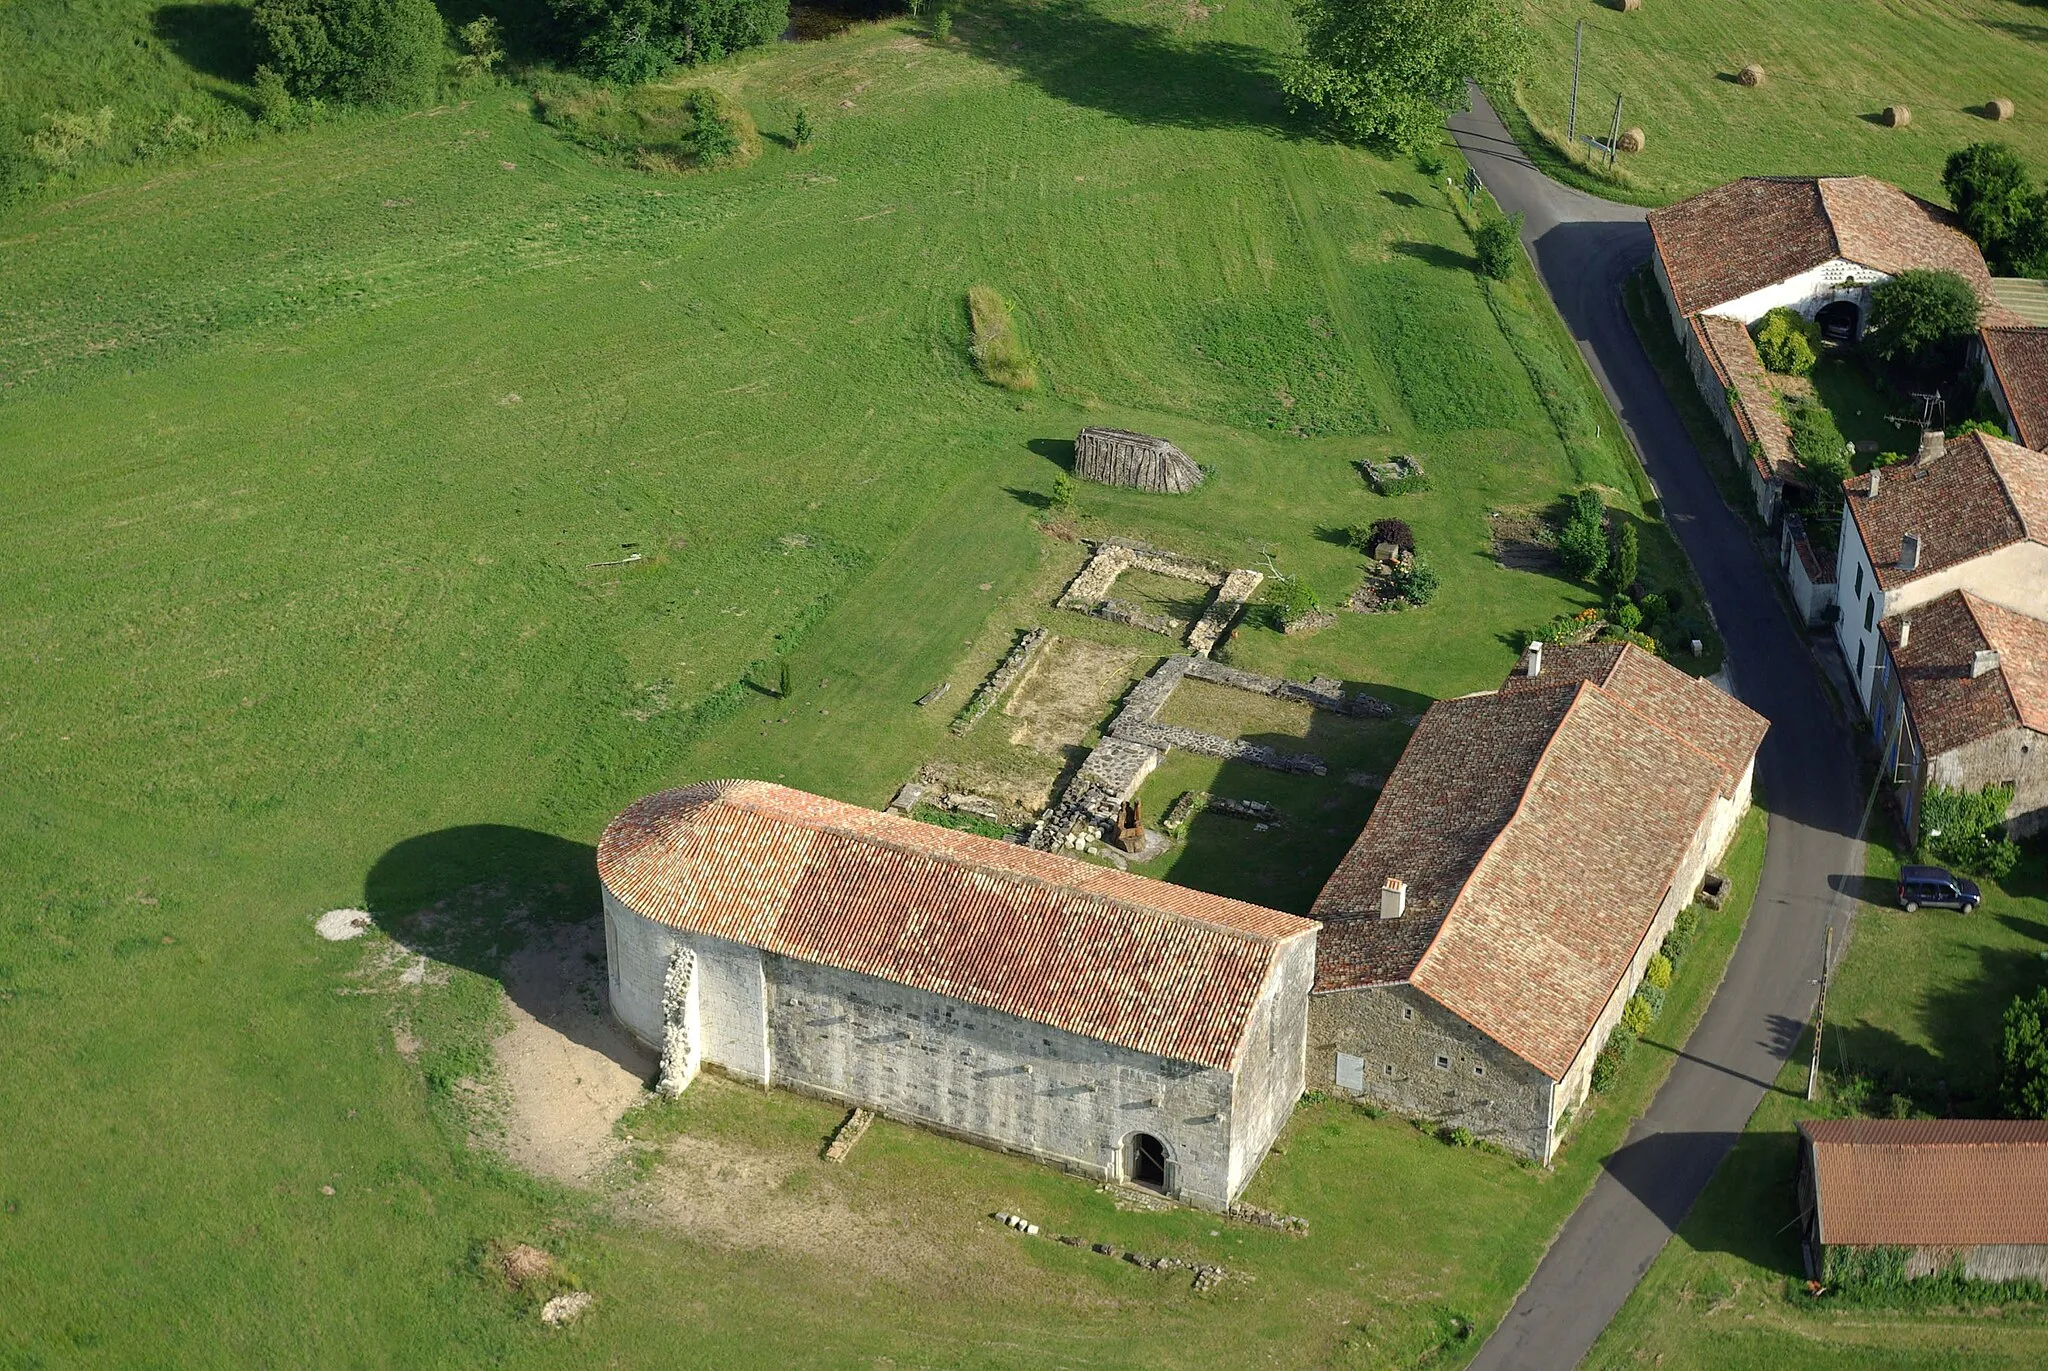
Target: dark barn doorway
1838, 321
1145, 1161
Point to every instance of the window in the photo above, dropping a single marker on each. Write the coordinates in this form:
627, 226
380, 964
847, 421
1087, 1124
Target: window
1859, 659
1859, 578
1407, 1012
1479, 1070
1443, 1063
1869, 613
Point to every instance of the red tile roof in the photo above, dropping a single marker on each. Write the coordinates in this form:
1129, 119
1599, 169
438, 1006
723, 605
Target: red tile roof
1980, 495
1737, 238
1153, 967
1733, 355
1538, 831
2019, 358
1949, 706
1930, 1182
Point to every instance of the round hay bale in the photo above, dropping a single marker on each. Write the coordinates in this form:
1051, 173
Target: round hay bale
1751, 75
1999, 110
1628, 6
1897, 116
1632, 141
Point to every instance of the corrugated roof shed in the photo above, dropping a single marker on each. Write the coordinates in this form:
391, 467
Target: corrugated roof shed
1930, 1182
1153, 967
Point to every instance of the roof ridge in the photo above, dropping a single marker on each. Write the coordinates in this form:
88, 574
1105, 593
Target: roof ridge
1679, 738
1827, 211
1970, 603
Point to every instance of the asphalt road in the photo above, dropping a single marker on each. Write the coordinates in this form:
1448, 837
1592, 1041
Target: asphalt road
1584, 249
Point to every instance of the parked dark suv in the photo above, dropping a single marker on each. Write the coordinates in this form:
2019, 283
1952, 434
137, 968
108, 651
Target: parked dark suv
1936, 889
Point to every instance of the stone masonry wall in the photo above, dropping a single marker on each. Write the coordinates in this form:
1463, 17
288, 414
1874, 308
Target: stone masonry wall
1273, 1071
731, 989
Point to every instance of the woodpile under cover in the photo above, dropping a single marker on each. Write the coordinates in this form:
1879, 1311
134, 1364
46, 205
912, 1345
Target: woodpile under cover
1117, 458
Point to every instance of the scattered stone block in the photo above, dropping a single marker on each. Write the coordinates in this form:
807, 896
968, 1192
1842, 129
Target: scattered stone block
850, 1131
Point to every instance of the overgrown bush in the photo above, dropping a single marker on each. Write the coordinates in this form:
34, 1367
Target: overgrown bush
714, 136
1416, 581
361, 52
1498, 243
1820, 448
1658, 971
1289, 599
632, 41
1582, 542
1637, 1015
2023, 1058
274, 105
1876, 1277
1967, 831
1787, 342
996, 346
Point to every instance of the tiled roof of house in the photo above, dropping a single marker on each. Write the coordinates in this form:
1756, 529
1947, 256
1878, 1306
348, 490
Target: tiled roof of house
1980, 495
1152, 967
1706, 717
1740, 237
1949, 706
1733, 354
2019, 358
1537, 830
1930, 1182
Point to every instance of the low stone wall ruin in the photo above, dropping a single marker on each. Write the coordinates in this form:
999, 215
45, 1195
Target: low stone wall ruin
1001, 679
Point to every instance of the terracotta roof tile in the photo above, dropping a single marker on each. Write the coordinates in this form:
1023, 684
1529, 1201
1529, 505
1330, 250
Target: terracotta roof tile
1145, 965
1733, 354
1930, 1182
2019, 357
1980, 495
1538, 830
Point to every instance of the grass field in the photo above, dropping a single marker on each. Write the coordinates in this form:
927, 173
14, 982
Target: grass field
1913, 1012
1831, 66
391, 502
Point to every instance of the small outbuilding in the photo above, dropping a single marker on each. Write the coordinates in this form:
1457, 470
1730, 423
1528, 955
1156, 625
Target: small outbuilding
1115, 457
1939, 1194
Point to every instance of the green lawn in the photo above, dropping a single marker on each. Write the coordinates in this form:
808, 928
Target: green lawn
327, 456
1830, 66
1913, 1025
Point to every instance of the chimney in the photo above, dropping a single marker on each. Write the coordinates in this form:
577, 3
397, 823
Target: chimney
1985, 660
1931, 443
1394, 897
1875, 472
1532, 661
1905, 633
1909, 552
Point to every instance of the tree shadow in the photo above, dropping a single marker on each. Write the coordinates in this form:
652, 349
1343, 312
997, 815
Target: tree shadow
2029, 33
1030, 499
1136, 72
214, 40
476, 896
1059, 450
1401, 198
1437, 255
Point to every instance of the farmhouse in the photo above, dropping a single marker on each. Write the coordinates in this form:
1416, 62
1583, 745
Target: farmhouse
1971, 514
1120, 1027
1523, 864
1932, 1194
1730, 255
1964, 683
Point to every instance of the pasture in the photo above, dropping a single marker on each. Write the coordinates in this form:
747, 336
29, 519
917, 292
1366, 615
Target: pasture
391, 502
1830, 69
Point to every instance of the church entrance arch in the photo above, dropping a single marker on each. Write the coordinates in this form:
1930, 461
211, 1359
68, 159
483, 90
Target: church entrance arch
1145, 1161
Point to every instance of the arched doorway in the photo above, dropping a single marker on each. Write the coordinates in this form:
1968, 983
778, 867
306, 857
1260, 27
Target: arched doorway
1838, 320
1145, 1161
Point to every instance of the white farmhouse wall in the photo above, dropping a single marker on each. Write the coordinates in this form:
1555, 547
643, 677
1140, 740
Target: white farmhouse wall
1808, 292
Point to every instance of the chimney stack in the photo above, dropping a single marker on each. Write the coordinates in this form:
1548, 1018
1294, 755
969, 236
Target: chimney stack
1875, 472
1905, 633
1909, 552
1393, 898
1532, 661
1931, 445
1985, 660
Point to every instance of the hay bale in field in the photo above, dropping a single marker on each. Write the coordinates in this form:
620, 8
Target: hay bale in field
1751, 75
1628, 6
1631, 141
1896, 116
1999, 110
1117, 458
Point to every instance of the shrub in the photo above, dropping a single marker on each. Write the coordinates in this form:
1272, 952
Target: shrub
482, 48
1395, 531
1787, 342
1919, 315
1498, 242
1416, 582
1966, 831
1654, 608
1455, 1136
1658, 972
1628, 618
1999, 206
1430, 163
630, 41
1290, 599
714, 136
364, 52
273, 99
1820, 448
804, 132
64, 135
1582, 542
1621, 565
1636, 1015
1062, 493
1606, 1066
1388, 71
942, 25
996, 347
1621, 1041
1653, 996
2023, 1061
1684, 929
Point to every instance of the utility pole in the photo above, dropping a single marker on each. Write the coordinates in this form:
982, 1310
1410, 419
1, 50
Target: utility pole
1820, 1015
1571, 132
1614, 134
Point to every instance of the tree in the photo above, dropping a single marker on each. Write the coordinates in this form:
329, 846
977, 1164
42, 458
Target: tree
482, 47
2000, 207
362, 52
714, 135
1919, 315
636, 40
2023, 1062
1582, 543
1498, 240
804, 132
1387, 71
1621, 567
1785, 342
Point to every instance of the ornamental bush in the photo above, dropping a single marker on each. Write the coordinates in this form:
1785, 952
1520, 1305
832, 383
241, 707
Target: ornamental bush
1637, 1015
1582, 542
1416, 582
1658, 972
1788, 342
1653, 996
362, 52
1684, 929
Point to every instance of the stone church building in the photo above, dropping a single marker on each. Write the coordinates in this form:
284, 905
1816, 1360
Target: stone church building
1119, 1027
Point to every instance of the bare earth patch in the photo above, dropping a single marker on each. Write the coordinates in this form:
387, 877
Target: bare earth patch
1067, 693
1523, 541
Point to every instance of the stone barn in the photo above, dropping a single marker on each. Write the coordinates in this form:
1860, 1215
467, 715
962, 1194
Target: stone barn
1524, 862
1931, 1194
1116, 458
1119, 1027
